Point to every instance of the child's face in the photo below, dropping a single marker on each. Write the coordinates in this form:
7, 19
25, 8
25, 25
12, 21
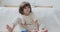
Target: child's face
26, 10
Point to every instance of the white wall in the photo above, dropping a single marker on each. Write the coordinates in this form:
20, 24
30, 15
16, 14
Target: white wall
33, 2
55, 3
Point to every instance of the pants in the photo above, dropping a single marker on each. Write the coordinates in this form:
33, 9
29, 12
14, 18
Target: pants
24, 30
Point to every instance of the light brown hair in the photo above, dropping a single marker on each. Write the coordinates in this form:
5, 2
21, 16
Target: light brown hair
23, 5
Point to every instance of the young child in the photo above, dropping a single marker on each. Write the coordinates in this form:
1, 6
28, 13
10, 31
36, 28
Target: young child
28, 22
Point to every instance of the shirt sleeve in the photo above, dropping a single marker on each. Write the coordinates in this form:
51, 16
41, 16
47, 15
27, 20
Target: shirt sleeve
17, 21
35, 17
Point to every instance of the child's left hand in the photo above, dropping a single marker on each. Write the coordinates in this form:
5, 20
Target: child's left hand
45, 30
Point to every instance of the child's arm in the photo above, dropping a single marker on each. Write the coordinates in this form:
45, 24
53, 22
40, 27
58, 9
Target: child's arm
10, 29
23, 24
36, 25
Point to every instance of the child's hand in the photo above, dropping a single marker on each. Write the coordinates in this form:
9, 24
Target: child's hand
45, 30
9, 28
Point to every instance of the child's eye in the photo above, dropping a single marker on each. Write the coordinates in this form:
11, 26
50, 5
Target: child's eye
28, 7
25, 8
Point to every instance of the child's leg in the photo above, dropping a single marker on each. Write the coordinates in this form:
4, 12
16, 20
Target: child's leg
34, 31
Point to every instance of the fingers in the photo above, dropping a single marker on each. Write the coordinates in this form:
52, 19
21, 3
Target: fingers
45, 30
8, 27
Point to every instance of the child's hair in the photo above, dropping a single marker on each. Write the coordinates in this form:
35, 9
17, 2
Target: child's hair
23, 5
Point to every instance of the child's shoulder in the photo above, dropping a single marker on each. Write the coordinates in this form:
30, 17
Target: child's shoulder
19, 17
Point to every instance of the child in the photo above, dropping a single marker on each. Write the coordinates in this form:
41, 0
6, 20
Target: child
28, 22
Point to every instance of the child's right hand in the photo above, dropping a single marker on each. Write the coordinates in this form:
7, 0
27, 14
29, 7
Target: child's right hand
9, 28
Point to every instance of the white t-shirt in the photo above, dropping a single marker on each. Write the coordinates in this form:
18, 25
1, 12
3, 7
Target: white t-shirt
28, 19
